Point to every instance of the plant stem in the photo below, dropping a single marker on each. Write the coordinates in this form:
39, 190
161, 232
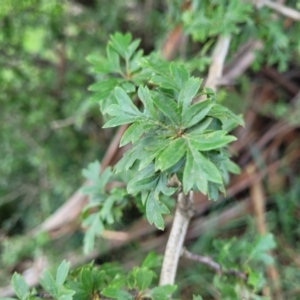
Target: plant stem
184, 210
183, 215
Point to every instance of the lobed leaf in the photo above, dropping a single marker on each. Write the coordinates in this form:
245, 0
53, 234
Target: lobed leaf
171, 154
49, 284
133, 133
116, 293
154, 211
120, 120
125, 102
20, 286
221, 112
188, 92
196, 113
168, 107
180, 74
210, 141
145, 96
62, 273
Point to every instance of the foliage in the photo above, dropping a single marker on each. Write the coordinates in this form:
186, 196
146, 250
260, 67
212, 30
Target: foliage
93, 282
170, 135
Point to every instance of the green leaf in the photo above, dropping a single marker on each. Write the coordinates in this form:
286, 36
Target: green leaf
116, 293
20, 286
164, 82
113, 59
132, 134
120, 120
232, 167
200, 127
142, 184
188, 92
92, 171
210, 141
145, 96
143, 278
180, 74
95, 228
154, 211
62, 273
49, 284
196, 113
132, 48
221, 112
171, 154
197, 297
151, 261
103, 88
261, 248
193, 175
162, 292
168, 107
66, 294
120, 43
125, 103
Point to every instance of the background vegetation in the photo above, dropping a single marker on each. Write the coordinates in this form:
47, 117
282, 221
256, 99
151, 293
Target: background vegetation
51, 129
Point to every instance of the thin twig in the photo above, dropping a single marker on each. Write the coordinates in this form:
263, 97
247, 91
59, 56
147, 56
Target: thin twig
183, 214
208, 261
282, 9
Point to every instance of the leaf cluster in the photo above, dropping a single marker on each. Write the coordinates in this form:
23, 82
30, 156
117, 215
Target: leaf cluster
208, 19
171, 133
105, 206
90, 282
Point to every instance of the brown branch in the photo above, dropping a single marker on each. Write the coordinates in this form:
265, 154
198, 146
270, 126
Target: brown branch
208, 261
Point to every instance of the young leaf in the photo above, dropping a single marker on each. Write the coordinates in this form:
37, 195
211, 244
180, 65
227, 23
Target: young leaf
146, 183
151, 261
210, 141
103, 88
180, 74
132, 134
125, 102
154, 211
168, 107
162, 292
20, 286
49, 284
113, 59
221, 112
193, 175
143, 278
92, 171
116, 293
96, 227
62, 273
196, 113
171, 154
120, 43
200, 127
121, 120
66, 294
188, 92
209, 170
145, 97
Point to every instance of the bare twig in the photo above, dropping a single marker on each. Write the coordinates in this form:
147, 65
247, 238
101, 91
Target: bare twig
218, 59
282, 9
181, 221
208, 261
